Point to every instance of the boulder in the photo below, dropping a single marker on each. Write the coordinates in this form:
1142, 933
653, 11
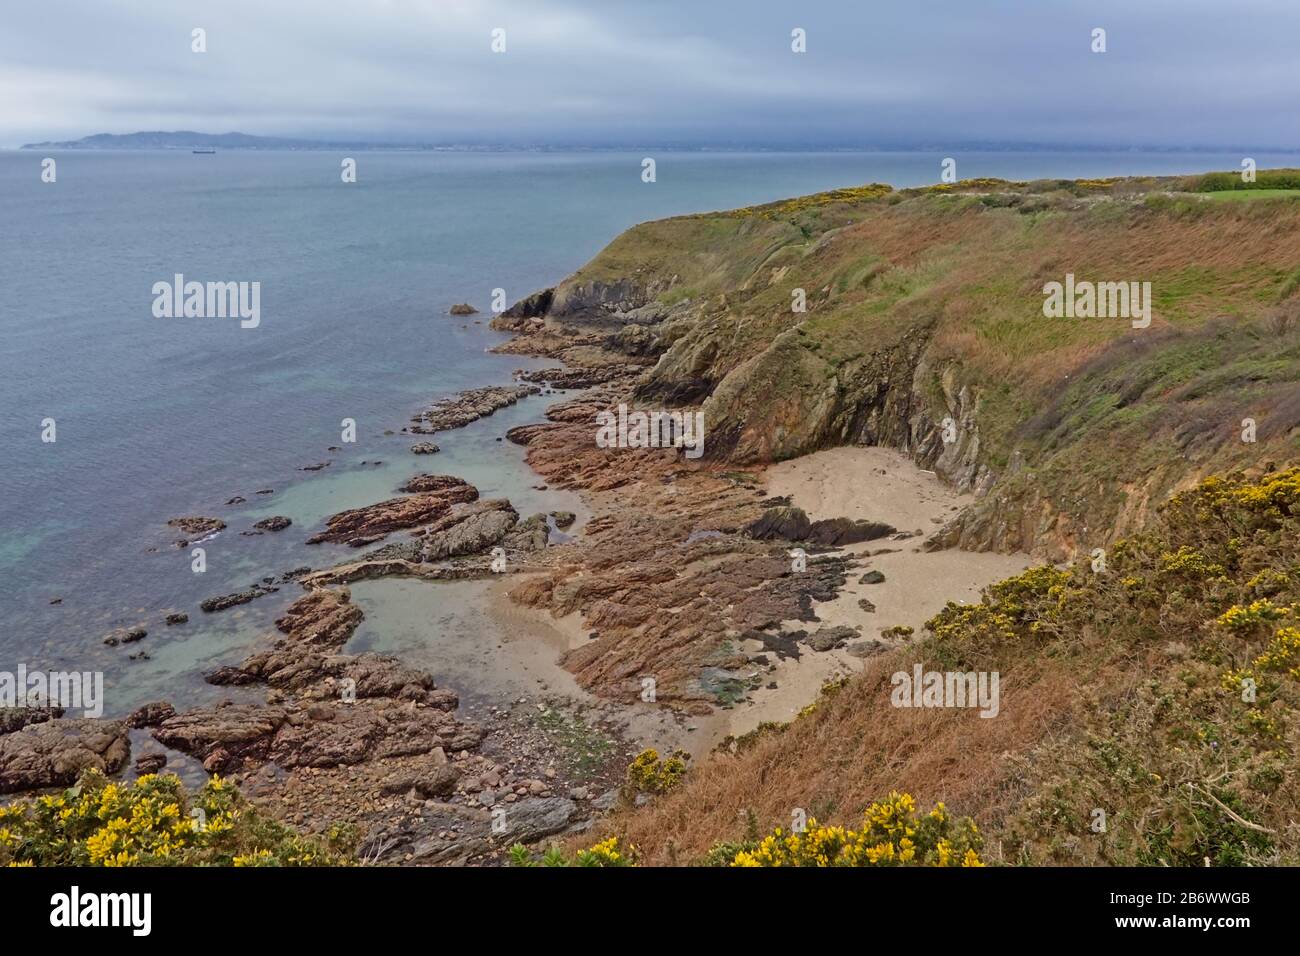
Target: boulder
54, 753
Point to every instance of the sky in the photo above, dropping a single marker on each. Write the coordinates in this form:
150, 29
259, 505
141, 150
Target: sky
1176, 73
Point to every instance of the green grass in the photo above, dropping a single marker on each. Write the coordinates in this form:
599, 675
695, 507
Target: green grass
586, 749
1236, 195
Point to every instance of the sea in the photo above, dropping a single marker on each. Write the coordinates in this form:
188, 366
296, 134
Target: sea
157, 417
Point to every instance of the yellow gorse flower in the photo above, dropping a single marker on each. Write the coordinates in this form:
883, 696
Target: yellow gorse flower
892, 835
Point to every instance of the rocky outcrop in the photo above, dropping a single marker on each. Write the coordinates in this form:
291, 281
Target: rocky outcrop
224, 736
580, 376
468, 529
54, 753
361, 526
469, 406
325, 618
16, 718
427, 483
197, 526
787, 523
273, 523
224, 601
150, 715
332, 708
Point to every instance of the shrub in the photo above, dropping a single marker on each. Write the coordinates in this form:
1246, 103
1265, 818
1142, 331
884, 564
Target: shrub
649, 773
153, 822
606, 853
891, 835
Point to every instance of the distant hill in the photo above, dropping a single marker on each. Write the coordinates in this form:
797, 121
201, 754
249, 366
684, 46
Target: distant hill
179, 139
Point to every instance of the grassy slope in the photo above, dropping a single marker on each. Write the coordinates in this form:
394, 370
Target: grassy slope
919, 296
1121, 691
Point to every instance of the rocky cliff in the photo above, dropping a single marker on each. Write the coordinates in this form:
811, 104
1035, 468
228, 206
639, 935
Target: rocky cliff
915, 319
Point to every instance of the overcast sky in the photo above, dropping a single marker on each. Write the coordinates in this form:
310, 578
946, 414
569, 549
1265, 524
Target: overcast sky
646, 72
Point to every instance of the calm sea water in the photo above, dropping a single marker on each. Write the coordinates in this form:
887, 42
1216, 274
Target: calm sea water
164, 417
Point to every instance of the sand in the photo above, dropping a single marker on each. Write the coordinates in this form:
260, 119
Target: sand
871, 483
880, 485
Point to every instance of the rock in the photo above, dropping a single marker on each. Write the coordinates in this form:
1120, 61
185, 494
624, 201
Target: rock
16, 718
527, 434
197, 526
325, 617
230, 677
273, 523
837, 532
361, 526
150, 763
462, 308
224, 601
150, 715
866, 605
784, 523
54, 753
222, 736
178, 618
867, 648
563, 518
469, 529
126, 636
440, 782
535, 817
468, 406
829, 638
424, 448
426, 483
872, 577
579, 376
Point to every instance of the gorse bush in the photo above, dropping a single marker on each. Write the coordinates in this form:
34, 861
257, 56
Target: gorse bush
154, 822
650, 773
1190, 758
607, 853
891, 835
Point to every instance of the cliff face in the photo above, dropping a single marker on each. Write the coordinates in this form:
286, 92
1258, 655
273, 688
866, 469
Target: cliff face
915, 320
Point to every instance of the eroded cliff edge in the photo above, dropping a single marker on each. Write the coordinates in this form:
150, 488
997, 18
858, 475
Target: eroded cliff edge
914, 319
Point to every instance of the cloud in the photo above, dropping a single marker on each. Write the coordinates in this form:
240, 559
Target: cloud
590, 71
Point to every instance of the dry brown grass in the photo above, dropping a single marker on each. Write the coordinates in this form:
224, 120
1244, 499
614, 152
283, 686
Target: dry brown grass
854, 749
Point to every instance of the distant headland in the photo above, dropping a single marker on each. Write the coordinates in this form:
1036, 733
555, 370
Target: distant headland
190, 139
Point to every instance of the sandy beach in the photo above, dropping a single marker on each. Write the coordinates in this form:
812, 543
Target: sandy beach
876, 484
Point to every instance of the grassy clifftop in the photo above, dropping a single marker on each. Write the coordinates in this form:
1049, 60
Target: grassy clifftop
926, 305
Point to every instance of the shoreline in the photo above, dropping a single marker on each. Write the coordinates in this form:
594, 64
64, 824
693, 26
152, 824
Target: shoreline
523, 675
